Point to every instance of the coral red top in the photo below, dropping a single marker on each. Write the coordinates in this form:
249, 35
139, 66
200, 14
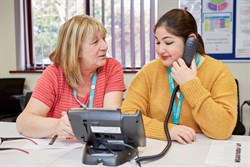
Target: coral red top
52, 89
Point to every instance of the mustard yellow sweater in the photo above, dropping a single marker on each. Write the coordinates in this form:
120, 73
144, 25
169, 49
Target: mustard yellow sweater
209, 105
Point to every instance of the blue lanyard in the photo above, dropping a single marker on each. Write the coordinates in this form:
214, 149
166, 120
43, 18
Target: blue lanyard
92, 93
177, 110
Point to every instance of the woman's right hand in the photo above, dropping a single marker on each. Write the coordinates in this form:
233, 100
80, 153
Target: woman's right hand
64, 130
182, 134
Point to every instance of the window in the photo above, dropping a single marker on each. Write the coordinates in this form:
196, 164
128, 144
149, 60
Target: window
194, 7
129, 24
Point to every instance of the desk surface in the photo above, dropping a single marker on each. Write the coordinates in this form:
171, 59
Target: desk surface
179, 155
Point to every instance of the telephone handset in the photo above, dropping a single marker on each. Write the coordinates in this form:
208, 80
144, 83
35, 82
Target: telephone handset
190, 50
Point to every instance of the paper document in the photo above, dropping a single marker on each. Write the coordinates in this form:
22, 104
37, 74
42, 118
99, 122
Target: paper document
44, 144
229, 153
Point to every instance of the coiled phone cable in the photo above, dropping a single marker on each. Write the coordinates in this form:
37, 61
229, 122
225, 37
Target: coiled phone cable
169, 141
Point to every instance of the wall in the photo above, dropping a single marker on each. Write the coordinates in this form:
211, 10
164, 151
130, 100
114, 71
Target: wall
241, 71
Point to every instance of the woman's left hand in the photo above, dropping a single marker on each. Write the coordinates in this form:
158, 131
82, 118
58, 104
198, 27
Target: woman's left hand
182, 134
181, 73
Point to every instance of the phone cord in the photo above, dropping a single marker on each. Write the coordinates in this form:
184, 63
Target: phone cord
169, 141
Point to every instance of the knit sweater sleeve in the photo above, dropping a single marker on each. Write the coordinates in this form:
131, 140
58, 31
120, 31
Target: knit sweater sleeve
138, 98
214, 108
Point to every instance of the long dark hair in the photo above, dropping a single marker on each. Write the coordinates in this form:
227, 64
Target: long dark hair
181, 23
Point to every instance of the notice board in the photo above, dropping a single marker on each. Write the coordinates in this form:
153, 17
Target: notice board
225, 29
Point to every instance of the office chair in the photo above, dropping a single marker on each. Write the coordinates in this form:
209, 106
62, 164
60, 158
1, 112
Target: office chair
24, 99
239, 128
10, 107
241, 110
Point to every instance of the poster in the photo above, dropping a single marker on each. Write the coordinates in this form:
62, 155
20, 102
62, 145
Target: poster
243, 29
217, 26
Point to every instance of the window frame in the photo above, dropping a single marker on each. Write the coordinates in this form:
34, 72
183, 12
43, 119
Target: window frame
29, 64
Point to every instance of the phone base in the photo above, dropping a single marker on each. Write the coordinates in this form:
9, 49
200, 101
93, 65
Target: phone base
93, 156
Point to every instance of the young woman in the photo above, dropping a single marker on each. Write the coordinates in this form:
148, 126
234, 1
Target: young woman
207, 99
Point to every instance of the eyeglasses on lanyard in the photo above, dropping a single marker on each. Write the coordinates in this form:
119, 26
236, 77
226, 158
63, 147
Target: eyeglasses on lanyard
3, 139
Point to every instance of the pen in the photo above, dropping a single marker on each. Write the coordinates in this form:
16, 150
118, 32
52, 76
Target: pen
53, 140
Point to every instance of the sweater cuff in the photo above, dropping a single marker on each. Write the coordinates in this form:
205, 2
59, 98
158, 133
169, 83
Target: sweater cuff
194, 92
155, 131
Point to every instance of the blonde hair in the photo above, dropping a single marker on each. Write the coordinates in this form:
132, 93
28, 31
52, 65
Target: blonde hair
72, 33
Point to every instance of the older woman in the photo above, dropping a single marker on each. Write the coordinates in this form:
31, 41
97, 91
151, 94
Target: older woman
81, 76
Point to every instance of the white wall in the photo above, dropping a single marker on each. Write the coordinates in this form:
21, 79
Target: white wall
241, 71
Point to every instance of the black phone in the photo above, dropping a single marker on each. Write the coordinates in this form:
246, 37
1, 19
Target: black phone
190, 50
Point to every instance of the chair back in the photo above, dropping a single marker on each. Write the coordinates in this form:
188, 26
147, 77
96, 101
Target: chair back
26, 99
8, 87
239, 128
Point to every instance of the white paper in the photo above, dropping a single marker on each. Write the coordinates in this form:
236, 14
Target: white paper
44, 144
223, 153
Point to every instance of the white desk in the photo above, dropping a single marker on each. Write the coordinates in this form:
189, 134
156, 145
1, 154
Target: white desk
192, 155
